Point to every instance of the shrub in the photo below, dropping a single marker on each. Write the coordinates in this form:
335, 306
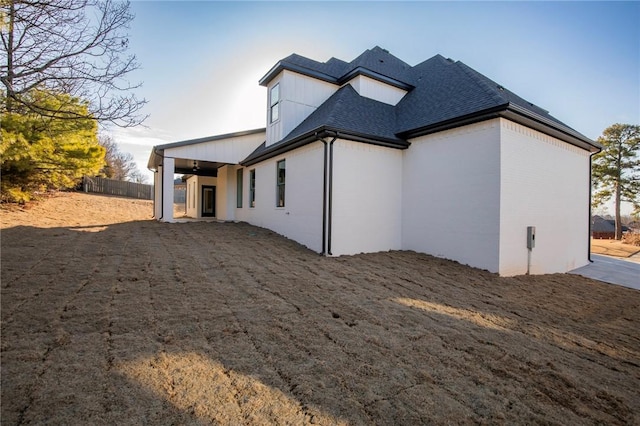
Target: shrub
631, 238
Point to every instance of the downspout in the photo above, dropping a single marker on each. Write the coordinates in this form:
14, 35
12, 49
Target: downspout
324, 195
589, 209
161, 194
330, 201
155, 151
327, 196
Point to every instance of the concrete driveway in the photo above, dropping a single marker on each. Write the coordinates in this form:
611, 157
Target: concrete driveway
625, 272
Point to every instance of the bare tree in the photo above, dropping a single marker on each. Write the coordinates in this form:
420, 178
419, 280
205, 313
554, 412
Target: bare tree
138, 177
73, 47
118, 165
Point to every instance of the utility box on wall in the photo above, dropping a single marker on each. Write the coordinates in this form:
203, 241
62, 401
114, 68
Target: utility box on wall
531, 237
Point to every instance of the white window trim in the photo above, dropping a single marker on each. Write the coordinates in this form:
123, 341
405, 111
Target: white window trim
276, 104
252, 189
284, 184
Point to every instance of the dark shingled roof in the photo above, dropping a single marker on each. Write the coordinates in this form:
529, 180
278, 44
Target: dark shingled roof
600, 224
382, 62
348, 112
441, 93
377, 60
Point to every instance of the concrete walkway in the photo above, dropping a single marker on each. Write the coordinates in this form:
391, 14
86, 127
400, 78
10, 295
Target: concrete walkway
625, 272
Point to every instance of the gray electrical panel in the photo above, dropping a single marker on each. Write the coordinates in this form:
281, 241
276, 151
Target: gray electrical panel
531, 237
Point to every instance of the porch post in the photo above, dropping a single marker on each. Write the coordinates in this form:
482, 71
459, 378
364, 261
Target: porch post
168, 168
157, 193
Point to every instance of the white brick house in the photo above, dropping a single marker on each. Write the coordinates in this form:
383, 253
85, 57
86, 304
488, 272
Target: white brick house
375, 155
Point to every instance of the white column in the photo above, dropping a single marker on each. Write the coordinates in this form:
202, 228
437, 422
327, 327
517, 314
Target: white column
167, 189
157, 191
231, 192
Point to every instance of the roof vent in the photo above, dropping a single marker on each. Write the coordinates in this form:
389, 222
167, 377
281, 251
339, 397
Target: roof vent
450, 60
500, 87
381, 61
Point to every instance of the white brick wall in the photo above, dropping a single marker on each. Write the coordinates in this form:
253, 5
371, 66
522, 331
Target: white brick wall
301, 218
367, 198
451, 195
544, 184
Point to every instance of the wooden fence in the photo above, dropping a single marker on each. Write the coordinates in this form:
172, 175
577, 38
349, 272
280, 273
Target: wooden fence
117, 187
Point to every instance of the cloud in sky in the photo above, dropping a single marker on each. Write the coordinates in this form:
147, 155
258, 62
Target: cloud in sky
202, 60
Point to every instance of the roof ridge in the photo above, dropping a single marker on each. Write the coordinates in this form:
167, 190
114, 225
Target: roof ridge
339, 95
493, 92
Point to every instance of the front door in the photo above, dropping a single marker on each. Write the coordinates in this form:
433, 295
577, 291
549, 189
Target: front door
208, 201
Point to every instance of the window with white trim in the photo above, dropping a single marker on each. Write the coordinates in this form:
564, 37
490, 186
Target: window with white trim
239, 175
274, 103
280, 180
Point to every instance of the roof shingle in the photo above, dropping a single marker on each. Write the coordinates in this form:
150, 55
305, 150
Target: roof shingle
441, 93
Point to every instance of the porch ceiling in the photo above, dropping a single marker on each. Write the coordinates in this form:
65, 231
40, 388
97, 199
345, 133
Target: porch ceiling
185, 166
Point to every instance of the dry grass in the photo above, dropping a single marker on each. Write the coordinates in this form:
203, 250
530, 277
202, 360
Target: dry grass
141, 322
613, 248
632, 239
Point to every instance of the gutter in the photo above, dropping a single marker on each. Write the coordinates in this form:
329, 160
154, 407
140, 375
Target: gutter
514, 113
315, 135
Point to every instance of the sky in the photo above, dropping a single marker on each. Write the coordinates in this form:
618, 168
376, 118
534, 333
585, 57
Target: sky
201, 60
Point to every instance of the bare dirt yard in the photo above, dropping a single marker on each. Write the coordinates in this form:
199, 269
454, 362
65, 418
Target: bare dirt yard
109, 317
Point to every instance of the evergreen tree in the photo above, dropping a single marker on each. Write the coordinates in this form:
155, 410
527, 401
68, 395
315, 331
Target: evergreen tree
616, 169
39, 153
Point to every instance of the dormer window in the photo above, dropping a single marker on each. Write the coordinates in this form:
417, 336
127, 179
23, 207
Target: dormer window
274, 103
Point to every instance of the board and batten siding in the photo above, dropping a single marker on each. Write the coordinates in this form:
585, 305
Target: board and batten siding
301, 217
544, 183
367, 198
451, 195
231, 150
299, 97
376, 90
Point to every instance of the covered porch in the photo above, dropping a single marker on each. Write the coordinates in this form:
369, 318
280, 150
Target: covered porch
209, 165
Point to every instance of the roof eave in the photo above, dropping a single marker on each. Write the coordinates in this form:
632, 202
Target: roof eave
453, 123
211, 138
281, 66
514, 113
318, 134
155, 159
530, 119
376, 76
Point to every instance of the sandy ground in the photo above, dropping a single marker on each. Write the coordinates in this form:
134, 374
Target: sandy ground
109, 317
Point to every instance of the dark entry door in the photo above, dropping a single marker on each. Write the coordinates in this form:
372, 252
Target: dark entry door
208, 201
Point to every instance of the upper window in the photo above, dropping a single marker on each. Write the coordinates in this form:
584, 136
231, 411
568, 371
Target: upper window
239, 175
280, 183
252, 188
274, 103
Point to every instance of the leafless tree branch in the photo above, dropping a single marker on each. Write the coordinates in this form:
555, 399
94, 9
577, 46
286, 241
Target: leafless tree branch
75, 47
